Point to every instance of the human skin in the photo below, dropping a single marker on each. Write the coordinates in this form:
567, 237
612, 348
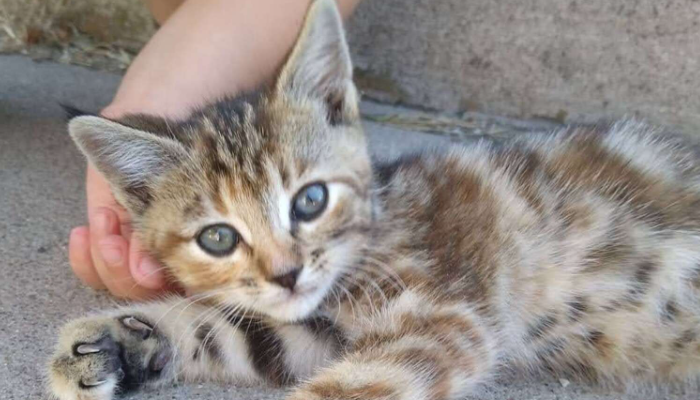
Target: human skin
204, 49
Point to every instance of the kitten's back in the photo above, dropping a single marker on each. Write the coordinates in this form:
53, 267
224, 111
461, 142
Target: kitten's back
582, 245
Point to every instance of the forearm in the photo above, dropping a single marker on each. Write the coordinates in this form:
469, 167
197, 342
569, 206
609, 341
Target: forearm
208, 49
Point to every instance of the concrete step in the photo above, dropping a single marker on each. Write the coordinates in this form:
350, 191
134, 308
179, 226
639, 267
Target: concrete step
553, 58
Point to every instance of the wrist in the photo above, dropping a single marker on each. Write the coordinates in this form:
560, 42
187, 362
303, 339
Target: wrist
174, 109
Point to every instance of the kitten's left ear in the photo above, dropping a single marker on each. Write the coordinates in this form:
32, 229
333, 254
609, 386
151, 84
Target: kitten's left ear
319, 66
131, 160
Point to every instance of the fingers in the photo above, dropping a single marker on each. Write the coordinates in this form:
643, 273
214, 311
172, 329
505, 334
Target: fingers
109, 235
102, 255
110, 255
108, 250
99, 194
81, 258
144, 269
126, 272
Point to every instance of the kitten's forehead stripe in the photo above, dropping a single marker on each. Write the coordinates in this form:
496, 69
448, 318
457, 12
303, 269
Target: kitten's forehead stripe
285, 175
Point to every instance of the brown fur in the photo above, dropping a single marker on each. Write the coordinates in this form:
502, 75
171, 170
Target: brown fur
575, 251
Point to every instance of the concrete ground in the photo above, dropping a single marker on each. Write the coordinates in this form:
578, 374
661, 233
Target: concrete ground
42, 197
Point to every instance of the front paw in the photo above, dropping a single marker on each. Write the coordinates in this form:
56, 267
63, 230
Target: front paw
99, 357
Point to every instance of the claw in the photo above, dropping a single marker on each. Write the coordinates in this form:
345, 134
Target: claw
137, 325
159, 361
88, 349
92, 382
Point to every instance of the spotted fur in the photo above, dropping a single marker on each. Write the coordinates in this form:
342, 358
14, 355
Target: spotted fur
575, 251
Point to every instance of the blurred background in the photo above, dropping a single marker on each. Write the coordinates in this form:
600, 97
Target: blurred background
103, 34
546, 59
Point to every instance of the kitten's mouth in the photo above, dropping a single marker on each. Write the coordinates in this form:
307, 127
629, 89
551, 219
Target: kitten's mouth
296, 294
296, 304
300, 292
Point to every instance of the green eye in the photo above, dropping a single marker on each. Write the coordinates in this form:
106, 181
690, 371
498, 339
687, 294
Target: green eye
310, 202
218, 240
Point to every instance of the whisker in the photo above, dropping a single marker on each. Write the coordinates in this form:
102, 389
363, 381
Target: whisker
193, 327
350, 301
383, 264
194, 299
375, 285
157, 270
196, 323
358, 283
381, 278
218, 325
385, 268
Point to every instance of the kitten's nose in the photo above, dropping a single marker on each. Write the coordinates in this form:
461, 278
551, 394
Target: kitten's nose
289, 279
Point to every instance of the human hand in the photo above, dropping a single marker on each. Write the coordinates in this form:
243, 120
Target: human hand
105, 254
197, 37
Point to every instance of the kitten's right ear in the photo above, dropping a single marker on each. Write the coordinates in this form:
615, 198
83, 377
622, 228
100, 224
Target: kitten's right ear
131, 160
319, 66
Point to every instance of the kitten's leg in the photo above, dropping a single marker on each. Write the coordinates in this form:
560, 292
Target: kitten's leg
414, 350
161, 342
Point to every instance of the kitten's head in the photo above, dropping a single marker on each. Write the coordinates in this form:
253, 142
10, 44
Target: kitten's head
261, 201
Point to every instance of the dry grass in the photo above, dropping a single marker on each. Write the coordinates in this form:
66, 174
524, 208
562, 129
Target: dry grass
101, 33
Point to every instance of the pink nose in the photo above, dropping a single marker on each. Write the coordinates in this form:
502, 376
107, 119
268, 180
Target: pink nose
289, 279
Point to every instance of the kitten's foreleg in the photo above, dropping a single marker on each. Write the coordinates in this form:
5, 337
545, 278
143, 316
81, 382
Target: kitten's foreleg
159, 343
413, 351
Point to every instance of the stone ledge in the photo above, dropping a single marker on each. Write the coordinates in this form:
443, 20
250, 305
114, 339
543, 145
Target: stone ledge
562, 59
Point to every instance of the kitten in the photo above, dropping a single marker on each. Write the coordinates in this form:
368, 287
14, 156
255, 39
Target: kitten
576, 251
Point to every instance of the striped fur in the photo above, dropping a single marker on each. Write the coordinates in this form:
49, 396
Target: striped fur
575, 251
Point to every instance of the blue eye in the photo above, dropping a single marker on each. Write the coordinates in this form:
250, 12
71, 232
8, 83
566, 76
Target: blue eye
218, 240
310, 202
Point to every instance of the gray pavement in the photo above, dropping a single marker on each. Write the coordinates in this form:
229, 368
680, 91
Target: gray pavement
41, 198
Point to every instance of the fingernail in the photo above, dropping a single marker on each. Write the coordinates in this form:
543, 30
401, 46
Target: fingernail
148, 268
78, 233
112, 255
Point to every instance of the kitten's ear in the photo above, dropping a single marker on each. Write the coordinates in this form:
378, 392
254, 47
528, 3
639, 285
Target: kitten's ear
319, 66
131, 160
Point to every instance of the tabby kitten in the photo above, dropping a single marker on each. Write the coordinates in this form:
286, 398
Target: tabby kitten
576, 251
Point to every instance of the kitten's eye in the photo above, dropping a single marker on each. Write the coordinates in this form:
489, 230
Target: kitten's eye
218, 240
310, 202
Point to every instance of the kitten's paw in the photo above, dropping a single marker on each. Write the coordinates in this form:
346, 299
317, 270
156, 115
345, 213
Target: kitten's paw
98, 357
